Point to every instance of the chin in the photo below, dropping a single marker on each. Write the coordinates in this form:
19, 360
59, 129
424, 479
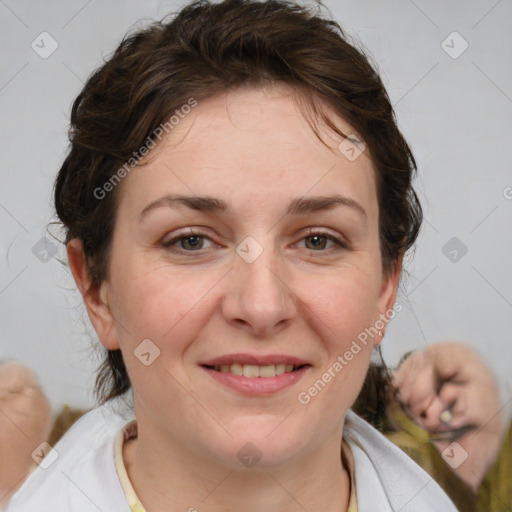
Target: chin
260, 443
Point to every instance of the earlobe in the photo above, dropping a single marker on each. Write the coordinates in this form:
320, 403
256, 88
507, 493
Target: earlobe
95, 297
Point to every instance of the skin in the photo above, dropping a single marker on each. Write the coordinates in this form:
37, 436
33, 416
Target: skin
253, 149
25, 422
469, 389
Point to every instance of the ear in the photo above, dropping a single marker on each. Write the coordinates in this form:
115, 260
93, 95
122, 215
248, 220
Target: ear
387, 298
96, 299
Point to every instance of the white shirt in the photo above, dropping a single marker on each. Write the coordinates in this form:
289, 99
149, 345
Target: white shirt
83, 477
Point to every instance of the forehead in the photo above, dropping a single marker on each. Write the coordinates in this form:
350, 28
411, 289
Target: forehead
250, 143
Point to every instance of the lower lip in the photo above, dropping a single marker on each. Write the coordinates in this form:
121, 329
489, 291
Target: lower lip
257, 385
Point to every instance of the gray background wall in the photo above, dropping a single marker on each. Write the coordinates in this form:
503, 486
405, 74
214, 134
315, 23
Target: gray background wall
453, 106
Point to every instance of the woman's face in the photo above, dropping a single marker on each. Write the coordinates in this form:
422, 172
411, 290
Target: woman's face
246, 246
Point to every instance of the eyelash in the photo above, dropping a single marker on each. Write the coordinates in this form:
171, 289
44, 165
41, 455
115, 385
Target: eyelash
168, 244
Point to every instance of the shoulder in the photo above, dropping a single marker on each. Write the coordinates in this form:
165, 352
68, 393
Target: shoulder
75, 474
386, 477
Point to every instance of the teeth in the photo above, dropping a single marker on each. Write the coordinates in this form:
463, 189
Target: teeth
267, 371
237, 369
251, 370
280, 368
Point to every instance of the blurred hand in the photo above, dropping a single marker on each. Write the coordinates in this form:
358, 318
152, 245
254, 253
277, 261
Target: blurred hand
25, 421
447, 386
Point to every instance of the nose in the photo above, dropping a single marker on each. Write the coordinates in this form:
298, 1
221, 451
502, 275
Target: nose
258, 297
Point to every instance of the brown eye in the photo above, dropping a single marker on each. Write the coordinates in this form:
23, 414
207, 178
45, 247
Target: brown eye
191, 243
316, 242
321, 242
186, 243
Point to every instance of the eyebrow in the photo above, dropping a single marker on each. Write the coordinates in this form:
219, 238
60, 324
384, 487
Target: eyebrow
299, 206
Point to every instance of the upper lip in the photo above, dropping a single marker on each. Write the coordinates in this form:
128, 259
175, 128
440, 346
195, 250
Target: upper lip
258, 360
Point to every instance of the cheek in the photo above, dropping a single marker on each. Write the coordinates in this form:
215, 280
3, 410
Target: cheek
344, 309
170, 310
157, 303
346, 304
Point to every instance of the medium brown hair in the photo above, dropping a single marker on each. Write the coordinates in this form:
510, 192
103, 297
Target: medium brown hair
209, 48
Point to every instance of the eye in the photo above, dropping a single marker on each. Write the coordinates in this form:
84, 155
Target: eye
320, 241
189, 242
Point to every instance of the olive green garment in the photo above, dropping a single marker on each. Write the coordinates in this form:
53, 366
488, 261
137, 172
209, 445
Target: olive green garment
495, 492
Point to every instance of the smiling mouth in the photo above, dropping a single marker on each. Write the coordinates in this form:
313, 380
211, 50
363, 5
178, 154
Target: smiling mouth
254, 371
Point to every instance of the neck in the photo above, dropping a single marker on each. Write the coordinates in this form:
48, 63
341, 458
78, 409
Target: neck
167, 476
